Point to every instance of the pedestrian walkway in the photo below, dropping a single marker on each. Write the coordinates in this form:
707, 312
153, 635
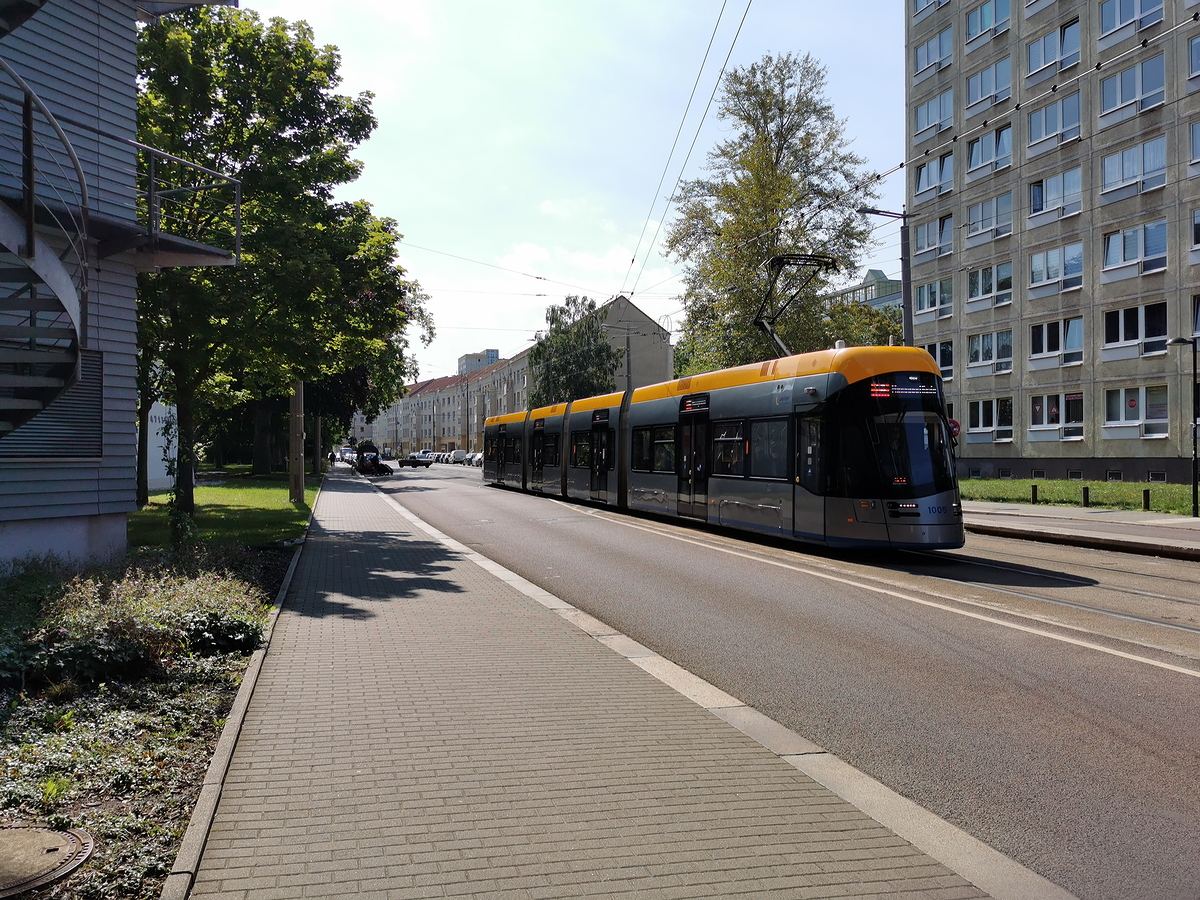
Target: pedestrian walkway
1129, 531
426, 724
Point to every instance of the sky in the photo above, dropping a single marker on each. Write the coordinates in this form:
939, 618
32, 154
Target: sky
521, 144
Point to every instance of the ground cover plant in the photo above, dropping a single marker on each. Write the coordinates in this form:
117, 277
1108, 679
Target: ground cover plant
1164, 498
114, 686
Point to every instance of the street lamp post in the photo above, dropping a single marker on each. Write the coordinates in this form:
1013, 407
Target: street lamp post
1179, 342
905, 268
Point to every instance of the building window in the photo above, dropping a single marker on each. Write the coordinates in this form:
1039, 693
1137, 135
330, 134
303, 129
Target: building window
1194, 57
991, 415
943, 354
1062, 339
1195, 228
1061, 411
1060, 46
991, 349
1144, 324
1143, 84
993, 83
925, 4
1145, 406
937, 295
993, 148
1145, 164
936, 51
1063, 192
936, 234
1196, 314
993, 215
991, 281
1059, 118
989, 16
1144, 244
1062, 264
938, 111
1115, 13
936, 174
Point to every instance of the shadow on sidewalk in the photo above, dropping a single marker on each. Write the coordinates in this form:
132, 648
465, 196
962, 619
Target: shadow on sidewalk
342, 573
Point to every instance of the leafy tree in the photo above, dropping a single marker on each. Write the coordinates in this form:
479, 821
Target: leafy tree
318, 290
783, 182
860, 325
572, 358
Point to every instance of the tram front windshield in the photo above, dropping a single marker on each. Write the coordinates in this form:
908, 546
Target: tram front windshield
892, 441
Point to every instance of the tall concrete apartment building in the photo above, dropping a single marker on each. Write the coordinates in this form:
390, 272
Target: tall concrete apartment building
1053, 195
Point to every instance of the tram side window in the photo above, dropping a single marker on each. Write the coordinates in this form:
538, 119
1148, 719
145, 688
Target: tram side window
664, 448
490, 449
513, 451
581, 449
729, 449
550, 450
768, 448
640, 458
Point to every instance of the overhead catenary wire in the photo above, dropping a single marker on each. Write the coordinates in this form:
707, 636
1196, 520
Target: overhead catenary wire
695, 137
479, 262
674, 144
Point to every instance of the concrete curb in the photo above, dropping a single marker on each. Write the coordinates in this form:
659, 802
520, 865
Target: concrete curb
1147, 547
183, 873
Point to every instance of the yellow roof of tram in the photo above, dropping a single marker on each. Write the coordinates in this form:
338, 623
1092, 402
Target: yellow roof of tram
855, 363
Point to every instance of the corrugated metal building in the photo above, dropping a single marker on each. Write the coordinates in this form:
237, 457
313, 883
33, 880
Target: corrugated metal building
73, 235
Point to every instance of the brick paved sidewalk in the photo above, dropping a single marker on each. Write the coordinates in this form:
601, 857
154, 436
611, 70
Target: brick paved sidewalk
420, 728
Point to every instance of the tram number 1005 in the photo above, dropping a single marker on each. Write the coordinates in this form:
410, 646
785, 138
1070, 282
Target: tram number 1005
938, 510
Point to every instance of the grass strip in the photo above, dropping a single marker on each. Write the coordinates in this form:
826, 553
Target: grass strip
1164, 498
231, 506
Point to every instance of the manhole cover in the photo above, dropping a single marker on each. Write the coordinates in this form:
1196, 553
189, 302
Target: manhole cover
31, 856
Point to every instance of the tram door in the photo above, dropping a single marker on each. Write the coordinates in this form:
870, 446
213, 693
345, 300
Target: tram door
809, 499
693, 463
536, 462
601, 448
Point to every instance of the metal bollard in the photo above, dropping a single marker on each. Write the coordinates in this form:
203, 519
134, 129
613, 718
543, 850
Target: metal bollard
1085, 497
1146, 499
1033, 494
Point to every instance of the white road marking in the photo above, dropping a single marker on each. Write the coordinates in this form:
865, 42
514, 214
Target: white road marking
1061, 638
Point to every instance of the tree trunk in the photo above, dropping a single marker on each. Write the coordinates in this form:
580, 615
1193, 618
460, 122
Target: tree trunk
296, 444
318, 456
185, 465
263, 415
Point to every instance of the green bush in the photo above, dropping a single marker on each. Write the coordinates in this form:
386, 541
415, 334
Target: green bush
118, 621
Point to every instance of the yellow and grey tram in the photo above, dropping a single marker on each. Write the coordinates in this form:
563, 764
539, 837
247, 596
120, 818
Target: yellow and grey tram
844, 448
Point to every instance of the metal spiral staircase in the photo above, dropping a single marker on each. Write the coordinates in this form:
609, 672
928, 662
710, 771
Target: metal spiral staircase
43, 249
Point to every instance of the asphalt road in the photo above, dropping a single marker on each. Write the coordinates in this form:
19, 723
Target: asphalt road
1045, 699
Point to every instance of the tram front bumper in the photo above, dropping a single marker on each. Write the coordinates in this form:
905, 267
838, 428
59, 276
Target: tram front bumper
929, 535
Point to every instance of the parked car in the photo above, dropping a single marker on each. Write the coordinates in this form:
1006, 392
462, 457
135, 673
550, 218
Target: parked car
458, 457
415, 460
477, 459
